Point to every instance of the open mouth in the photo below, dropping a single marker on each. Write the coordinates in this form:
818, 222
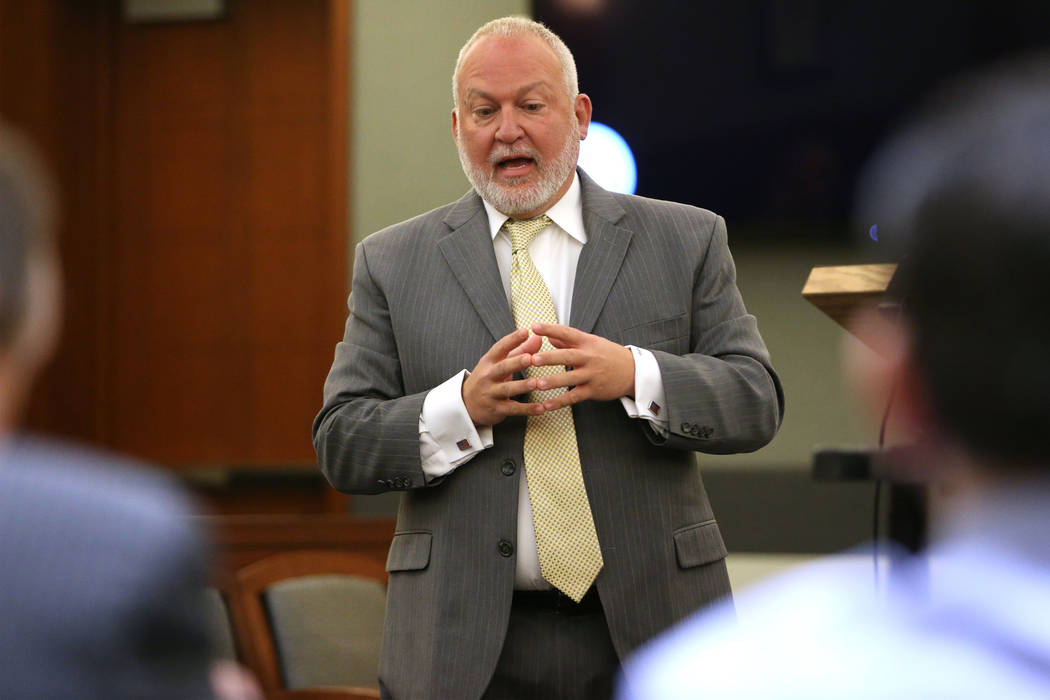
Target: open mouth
512, 166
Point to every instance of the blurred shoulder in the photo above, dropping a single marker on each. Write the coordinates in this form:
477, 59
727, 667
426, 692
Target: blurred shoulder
824, 631
74, 481
795, 636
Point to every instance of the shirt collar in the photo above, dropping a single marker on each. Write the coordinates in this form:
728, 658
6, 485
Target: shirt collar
567, 213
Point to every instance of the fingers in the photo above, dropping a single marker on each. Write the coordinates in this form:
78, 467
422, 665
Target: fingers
558, 343
596, 369
502, 347
488, 392
517, 408
569, 358
566, 335
507, 367
601, 369
562, 379
509, 390
528, 347
580, 393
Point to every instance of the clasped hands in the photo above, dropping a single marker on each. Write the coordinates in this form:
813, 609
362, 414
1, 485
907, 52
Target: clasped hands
598, 369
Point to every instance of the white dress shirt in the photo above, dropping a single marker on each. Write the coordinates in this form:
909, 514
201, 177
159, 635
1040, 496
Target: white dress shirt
448, 437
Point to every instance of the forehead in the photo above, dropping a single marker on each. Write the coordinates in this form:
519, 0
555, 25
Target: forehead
504, 64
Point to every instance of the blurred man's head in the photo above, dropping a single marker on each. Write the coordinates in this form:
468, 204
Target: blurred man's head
518, 117
967, 190
29, 277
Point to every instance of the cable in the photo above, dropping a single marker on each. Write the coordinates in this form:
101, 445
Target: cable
875, 532
878, 483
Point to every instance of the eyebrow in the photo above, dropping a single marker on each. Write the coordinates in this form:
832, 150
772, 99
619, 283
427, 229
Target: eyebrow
525, 89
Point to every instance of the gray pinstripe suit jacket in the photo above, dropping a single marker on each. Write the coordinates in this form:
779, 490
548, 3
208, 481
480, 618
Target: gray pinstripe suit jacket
427, 302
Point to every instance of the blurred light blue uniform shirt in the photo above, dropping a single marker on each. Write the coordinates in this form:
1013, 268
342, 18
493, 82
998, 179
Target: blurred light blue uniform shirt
978, 626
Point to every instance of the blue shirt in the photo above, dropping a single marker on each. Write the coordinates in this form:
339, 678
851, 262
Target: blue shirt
974, 623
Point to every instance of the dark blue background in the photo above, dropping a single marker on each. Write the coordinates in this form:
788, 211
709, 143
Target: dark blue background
767, 109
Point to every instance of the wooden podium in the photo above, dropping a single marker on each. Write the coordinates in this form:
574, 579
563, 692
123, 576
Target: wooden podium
840, 292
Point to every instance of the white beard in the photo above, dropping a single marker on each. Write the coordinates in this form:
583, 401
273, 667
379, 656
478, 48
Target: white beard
517, 197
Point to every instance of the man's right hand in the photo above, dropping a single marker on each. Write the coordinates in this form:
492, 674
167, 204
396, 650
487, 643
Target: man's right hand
489, 389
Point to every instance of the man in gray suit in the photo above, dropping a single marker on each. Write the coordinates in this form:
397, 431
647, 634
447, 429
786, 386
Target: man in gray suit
645, 352
102, 574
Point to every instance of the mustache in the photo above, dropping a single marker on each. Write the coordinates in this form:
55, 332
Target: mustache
502, 153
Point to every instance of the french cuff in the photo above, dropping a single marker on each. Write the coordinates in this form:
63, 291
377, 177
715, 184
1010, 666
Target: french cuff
447, 435
649, 402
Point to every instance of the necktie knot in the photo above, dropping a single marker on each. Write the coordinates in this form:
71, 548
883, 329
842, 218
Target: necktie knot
522, 231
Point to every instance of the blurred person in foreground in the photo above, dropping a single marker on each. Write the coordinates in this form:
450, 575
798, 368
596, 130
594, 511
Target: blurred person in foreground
969, 185
102, 573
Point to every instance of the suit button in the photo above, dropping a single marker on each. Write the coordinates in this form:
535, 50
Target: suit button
687, 428
508, 467
506, 548
381, 482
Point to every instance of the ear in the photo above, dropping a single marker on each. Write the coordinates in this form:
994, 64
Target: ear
582, 108
455, 124
36, 338
885, 369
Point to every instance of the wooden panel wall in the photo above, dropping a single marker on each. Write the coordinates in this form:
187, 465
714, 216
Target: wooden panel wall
204, 173
53, 83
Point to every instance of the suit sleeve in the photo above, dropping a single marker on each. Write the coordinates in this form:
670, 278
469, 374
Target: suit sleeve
723, 397
367, 433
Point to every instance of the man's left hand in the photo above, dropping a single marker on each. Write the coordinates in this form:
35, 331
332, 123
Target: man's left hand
600, 369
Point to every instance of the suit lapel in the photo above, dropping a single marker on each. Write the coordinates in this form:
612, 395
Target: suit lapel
601, 257
468, 251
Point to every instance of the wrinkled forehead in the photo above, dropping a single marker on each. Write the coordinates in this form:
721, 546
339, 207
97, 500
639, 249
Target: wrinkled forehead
508, 64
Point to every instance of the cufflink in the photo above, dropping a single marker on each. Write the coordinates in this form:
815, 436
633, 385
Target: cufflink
463, 445
654, 408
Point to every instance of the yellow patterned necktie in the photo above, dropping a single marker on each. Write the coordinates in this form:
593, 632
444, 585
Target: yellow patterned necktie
566, 540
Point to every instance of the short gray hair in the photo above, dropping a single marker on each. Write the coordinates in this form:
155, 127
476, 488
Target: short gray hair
517, 27
26, 222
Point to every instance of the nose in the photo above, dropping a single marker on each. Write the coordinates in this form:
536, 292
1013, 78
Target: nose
509, 130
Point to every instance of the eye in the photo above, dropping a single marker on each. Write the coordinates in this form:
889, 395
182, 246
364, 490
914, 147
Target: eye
483, 112
533, 106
